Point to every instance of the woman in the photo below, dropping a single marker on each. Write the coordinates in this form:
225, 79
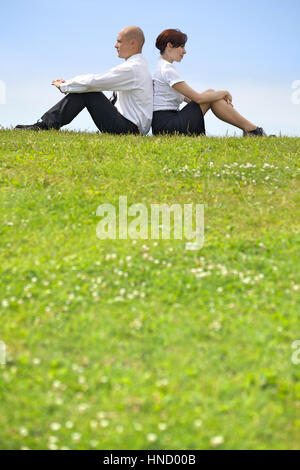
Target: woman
170, 90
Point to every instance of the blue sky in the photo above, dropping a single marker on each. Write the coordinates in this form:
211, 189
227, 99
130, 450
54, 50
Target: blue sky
250, 49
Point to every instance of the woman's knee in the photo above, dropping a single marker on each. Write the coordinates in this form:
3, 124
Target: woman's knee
205, 107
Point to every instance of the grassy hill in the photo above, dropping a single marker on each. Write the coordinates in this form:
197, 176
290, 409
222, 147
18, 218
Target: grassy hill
142, 344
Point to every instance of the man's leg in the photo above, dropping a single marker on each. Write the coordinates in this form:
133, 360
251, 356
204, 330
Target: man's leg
104, 114
64, 111
60, 114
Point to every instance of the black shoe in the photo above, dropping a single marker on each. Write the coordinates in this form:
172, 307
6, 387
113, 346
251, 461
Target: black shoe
38, 126
258, 132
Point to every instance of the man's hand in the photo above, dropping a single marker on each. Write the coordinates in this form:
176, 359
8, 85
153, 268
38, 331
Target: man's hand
57, 83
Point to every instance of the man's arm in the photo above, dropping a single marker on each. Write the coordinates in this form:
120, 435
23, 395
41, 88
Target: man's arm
119, 78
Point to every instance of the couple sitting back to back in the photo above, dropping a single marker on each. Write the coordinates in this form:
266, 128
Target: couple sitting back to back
139, 98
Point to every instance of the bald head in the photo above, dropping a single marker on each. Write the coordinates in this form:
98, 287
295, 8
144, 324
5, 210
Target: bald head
129, 42
134, 32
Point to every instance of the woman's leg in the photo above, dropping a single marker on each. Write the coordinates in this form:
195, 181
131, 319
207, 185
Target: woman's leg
228, 114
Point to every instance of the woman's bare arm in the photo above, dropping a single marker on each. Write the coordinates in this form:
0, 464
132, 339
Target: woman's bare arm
208, 96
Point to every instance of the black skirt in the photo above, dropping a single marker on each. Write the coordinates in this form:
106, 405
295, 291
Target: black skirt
187, 121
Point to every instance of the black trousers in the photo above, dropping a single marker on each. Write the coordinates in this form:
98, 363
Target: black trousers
188, 121
105, 115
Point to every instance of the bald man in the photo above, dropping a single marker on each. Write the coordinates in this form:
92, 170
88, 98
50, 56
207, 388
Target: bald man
131, 79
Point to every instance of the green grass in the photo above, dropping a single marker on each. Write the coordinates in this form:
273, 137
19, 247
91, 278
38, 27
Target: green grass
145, 345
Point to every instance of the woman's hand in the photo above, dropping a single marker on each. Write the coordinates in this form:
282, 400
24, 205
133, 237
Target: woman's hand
208, 96
228, 98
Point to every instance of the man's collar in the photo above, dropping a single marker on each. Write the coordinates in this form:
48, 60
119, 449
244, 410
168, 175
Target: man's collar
134, 55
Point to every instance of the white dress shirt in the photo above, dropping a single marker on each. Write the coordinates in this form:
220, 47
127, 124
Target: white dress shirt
132, 79
166, 97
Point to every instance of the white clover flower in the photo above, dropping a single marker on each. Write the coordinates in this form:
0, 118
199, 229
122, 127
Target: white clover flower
83, 407
162, 426
216, 325
56, 384
23, 431
55, 426
136, 324
197, 423
162, 383
76, 436
94, 443
217, 441
104, 423
52, 447
137, 426
151, 437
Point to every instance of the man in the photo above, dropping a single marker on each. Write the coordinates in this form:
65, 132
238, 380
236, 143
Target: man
131, 79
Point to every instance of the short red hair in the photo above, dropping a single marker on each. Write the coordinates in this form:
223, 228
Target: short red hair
174, 36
